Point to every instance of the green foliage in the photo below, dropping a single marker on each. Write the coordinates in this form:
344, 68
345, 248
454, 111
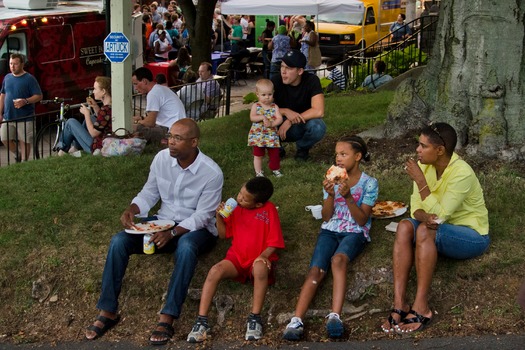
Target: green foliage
250, 97
325, 82
397, 62
400, 61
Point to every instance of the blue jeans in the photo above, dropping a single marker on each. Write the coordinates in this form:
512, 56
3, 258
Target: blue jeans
306, 135
330, 243
275, 69
186, 247
234, 48
77, 135
457, 242
266, 64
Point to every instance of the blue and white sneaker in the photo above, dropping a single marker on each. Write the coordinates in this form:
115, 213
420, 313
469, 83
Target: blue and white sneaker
199, 333
254, 329
294, 330
334, 325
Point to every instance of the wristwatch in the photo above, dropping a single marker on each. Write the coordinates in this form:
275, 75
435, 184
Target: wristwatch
173, 232
27, 102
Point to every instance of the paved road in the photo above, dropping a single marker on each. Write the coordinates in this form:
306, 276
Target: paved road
503, 342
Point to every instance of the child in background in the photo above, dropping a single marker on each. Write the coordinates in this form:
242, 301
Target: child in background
161, 79
344, 233
335, 75
265, 117
255, 230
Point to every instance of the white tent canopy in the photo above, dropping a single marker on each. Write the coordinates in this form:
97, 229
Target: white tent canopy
290, 7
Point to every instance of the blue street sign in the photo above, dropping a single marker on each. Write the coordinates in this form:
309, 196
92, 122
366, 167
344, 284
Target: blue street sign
116, 47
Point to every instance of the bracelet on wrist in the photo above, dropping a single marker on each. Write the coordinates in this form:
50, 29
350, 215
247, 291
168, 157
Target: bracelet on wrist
422, 188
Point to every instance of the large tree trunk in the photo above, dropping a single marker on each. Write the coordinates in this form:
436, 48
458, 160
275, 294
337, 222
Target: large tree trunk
198, 20
474, 81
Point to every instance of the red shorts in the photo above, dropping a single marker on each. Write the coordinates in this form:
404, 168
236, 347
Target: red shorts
246, 274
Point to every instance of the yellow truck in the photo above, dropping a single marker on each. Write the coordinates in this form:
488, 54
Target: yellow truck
343, 32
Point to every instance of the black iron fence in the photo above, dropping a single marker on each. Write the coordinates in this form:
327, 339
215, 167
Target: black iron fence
398, 56
24, 132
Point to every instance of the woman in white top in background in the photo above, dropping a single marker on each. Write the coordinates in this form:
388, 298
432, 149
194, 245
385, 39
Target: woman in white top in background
162, 47
310, 46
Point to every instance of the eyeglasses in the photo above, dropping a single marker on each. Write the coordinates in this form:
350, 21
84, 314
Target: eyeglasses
433, 126
177, 138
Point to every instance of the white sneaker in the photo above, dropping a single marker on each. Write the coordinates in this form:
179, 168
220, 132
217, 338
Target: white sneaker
72, 150
96, 152
334, 325
277, 173
259, 174
76, 154
199, 333
61, 153
253, 329
294, 330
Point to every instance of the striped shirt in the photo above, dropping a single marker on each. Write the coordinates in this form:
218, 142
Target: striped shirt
337, 78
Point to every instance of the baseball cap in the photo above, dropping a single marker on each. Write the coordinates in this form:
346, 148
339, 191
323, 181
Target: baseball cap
294, 59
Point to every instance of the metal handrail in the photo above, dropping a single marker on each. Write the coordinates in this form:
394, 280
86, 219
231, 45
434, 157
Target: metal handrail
359, 63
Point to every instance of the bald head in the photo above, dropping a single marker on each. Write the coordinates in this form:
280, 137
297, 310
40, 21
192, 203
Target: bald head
190, 126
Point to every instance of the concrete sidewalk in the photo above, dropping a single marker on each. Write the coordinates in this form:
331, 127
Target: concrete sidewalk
239, 91
501, 342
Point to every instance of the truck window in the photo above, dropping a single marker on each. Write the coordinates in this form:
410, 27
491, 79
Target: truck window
48, 39
349, 18
14, 43
370, 16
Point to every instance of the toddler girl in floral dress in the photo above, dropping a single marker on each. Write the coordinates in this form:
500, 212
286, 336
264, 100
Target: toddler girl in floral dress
263, 134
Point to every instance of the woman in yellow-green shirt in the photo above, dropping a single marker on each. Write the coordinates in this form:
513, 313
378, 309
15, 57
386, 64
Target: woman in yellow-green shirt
448, 217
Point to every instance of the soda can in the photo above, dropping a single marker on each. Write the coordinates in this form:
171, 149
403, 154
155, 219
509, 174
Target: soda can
229, 206
149, 248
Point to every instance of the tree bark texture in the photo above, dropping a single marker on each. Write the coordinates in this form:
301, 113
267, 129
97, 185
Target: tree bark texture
474, 81
199, 19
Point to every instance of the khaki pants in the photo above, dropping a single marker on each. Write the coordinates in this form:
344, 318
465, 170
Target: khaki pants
22, 129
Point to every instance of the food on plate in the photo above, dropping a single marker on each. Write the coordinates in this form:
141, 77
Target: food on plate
383, 209
150, 226
336, 174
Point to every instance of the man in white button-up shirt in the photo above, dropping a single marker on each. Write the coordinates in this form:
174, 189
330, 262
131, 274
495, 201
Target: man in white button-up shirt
188, 184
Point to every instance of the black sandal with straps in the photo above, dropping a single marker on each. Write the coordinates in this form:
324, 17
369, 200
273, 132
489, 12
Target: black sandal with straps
108, 324
418, 318
393, 323
167, 333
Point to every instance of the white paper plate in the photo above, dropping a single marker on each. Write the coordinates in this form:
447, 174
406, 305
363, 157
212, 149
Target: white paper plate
395, 214
151, 226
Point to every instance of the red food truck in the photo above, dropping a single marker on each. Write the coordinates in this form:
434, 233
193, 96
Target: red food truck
62, 45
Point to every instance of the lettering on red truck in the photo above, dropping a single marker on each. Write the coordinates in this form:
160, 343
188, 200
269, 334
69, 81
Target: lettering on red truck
62, 46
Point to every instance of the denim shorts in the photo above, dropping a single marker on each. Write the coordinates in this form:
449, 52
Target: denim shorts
457, 242
330, 243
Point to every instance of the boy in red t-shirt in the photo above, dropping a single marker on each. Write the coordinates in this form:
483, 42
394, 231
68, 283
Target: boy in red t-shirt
256, 234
